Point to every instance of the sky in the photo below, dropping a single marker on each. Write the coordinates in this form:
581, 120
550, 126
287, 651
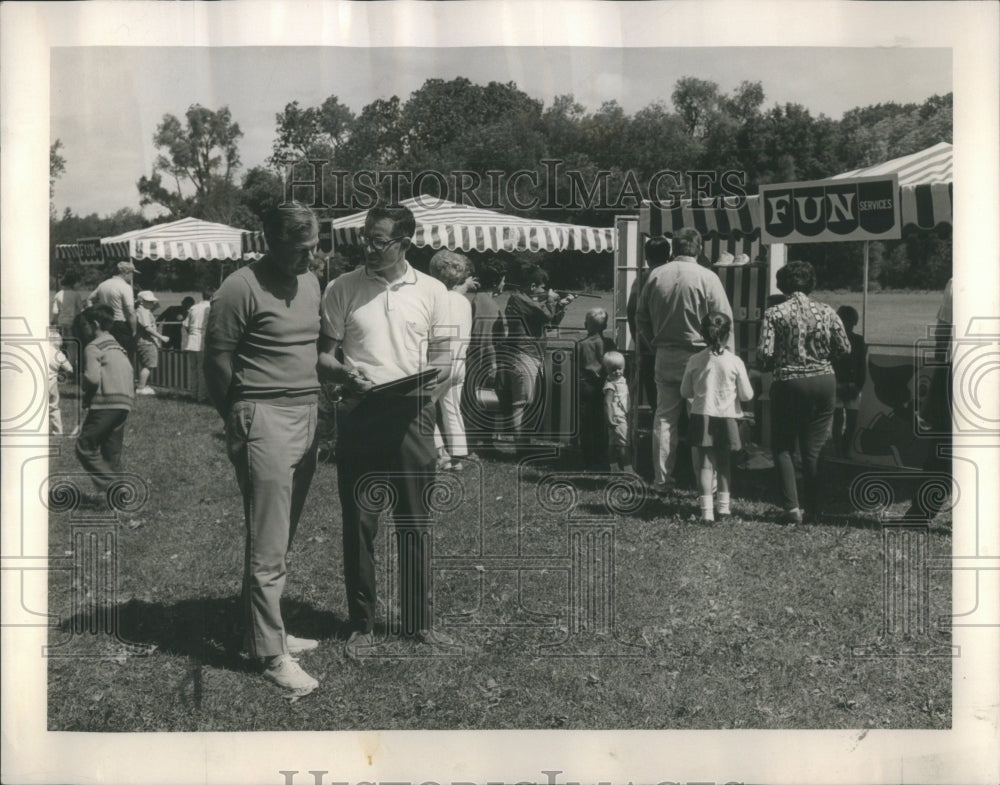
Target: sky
107, 101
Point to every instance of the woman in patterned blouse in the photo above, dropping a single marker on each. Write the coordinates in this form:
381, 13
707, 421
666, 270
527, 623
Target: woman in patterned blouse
798, 340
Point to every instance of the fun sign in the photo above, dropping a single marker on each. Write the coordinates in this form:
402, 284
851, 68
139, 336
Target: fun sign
863, 208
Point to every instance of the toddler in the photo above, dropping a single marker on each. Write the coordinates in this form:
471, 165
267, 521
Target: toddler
57, 364
616, 409
590, 353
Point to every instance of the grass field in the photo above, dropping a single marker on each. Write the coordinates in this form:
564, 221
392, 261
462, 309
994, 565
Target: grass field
746, 624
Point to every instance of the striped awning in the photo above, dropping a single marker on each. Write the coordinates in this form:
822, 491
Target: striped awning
727, 220
925, 185
86, 250
188, 238
74, 252
925, 193
444, 224
253, 245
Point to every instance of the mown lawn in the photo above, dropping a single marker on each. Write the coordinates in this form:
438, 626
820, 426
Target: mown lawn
747, 624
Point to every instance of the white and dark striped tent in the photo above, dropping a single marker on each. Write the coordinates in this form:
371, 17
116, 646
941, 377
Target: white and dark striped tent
925, 192
188, 238
444, 224
732, 228
84, 253
925, 185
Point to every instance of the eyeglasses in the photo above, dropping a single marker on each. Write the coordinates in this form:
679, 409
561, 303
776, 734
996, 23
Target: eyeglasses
378, 244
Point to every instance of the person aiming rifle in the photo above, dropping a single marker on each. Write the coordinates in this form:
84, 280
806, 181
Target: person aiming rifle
543, 295
531, 308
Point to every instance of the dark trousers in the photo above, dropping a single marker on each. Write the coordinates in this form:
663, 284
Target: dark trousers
593, 429
99, 445
802, 414
385, 461
122, 333
936, 412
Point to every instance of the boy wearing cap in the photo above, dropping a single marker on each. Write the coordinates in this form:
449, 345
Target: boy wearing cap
148, 340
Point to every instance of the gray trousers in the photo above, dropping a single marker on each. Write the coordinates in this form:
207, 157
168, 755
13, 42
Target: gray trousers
273, 449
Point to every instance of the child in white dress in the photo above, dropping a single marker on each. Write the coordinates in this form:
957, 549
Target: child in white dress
713, 381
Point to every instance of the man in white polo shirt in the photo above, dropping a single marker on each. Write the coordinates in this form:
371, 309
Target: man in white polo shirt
388, 321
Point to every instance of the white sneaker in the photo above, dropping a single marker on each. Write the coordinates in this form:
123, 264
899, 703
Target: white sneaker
287, 674
297, 645
145, 391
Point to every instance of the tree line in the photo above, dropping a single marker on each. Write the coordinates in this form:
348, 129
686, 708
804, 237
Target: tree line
455, 125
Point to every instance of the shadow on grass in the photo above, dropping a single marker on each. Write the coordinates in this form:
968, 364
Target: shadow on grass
206, 630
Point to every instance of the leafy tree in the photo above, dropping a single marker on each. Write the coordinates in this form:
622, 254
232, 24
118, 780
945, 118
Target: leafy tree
375, 138
262, 189
201, 154
604, 135
560, 125
57, 165
696, 101
745, 103
310, 132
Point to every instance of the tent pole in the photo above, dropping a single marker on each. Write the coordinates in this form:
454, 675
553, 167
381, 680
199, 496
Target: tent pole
864, 299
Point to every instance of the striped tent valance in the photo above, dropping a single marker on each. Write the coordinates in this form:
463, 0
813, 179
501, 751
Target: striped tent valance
165, 250
444, 224
188, 238
925, 185
925, 194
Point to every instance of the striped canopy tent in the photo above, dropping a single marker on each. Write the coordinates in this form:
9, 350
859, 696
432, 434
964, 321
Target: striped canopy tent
925, 185
78, 252
188, 238
925, 192
730, 227
458, 227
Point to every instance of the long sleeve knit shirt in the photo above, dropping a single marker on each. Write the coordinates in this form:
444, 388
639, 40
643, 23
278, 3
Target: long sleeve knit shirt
107, 375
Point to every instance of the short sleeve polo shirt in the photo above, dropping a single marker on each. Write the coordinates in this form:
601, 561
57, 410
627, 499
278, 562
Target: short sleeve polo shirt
385, 327
271, 329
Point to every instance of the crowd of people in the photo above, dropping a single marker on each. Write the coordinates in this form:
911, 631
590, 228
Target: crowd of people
429, 369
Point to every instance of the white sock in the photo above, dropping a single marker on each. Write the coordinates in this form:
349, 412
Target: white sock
723, 497
706, 509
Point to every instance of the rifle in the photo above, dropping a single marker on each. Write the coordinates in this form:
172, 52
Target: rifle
561, 292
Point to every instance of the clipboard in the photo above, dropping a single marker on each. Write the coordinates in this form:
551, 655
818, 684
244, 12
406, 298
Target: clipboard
406, 384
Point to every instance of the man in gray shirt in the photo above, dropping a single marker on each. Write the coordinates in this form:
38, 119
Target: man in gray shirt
260, 370
674, 300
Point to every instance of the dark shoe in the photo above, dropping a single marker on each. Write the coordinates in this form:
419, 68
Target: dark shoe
791, 517
359, 646
723, 516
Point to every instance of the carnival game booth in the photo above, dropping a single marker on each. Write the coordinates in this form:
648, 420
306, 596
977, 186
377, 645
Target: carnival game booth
885, 201
898, 373
187, 240
444, 224
730, 230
